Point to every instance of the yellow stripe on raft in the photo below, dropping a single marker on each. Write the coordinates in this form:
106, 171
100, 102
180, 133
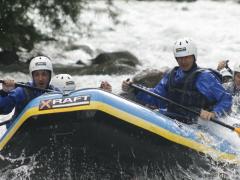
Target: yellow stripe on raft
34, 112
128, 118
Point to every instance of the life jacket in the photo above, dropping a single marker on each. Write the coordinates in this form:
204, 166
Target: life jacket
29, 95
3, 93
186, 93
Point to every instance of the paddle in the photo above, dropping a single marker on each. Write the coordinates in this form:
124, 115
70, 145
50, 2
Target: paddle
19, 84
183, 107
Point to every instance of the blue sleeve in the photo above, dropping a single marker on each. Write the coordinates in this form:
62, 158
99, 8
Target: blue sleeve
211, 88
7, 103
160, 89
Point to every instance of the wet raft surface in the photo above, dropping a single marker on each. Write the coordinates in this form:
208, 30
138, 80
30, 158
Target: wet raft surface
92, 144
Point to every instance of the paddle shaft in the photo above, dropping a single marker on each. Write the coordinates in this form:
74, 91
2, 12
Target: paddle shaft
30, 87
183, 107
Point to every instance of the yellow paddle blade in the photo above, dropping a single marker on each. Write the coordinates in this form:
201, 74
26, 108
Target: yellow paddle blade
237, 130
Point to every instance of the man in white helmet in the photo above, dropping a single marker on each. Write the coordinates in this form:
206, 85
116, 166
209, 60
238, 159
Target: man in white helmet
64, 82
40, 70
188, 85
234, 86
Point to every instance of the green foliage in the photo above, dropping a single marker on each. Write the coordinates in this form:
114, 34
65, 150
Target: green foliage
17, 28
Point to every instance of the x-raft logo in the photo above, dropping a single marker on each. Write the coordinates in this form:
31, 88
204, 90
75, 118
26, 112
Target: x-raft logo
64, 102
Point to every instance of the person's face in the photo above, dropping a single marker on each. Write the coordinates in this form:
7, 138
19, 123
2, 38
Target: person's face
185, 63
237, 79
41, 78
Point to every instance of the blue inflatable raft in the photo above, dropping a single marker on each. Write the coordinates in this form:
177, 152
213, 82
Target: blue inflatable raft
83, 112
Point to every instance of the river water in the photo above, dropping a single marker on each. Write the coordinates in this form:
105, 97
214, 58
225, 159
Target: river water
148, 30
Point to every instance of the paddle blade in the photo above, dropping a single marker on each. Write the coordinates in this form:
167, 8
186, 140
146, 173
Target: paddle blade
237, 130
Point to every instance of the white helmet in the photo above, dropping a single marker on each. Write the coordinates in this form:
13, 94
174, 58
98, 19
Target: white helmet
225, 73
236, 67
64, 82
40, 63
184, 47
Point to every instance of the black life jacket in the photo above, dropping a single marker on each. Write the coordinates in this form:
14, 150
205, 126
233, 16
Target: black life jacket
30, 94
186, 93
3, 93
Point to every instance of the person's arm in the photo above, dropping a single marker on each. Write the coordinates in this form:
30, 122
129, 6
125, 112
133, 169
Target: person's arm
160, 89
221, 65
14, 97
224, 64
211, 88
106, 86
6, 104
3, 93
